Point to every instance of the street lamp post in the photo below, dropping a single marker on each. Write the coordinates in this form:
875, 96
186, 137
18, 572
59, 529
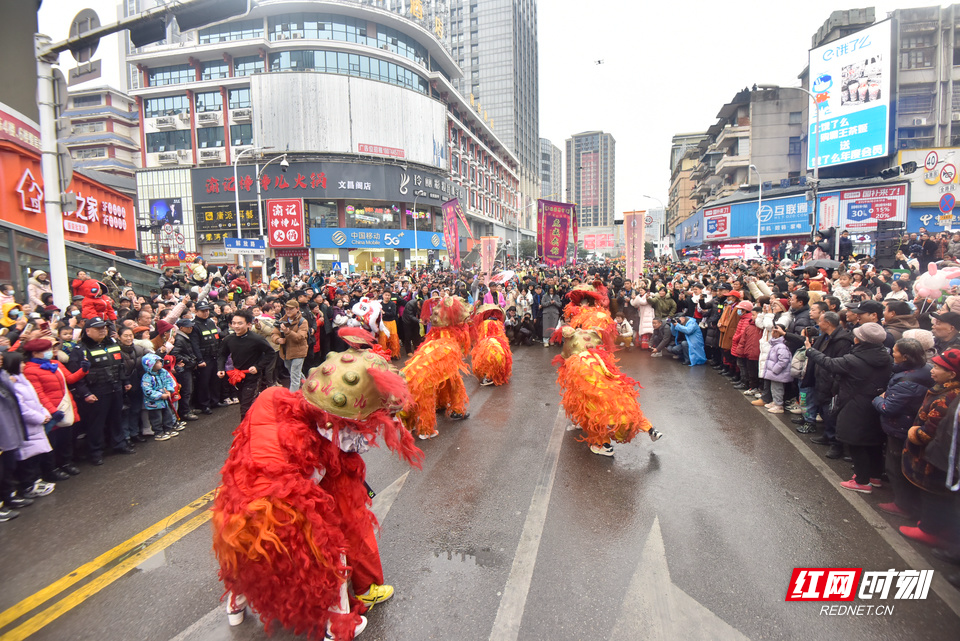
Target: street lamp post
816, 159
236, 192
759, 200
663, 223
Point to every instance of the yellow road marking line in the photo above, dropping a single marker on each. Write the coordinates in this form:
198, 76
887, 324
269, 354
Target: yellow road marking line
39, 598
74, 599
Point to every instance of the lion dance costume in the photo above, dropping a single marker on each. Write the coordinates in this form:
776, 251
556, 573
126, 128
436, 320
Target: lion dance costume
599, 398
292, 523
435, 371
491, 358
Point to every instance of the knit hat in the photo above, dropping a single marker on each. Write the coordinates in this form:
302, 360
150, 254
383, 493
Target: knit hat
37, 345
163, 327
871, 333
923, 336
746, 305
949, 360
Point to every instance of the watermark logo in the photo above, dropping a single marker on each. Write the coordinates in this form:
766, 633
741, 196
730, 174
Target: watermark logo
849, 584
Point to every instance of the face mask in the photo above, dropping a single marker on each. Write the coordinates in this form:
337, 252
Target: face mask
48, 354
75, 312
739, 312
14, 313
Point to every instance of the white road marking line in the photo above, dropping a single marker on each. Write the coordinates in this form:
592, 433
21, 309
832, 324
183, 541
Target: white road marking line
894, 539
216, 620
506, 627
656, 609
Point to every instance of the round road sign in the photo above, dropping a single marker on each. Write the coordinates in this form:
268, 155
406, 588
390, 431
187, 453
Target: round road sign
947, 174
931, 161
947, 202
167, 229
86, 20
182, 255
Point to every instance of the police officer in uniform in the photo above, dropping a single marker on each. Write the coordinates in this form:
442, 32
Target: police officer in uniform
101, 390
206, 340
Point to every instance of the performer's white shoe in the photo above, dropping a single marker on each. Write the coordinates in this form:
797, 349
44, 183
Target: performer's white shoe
236, 608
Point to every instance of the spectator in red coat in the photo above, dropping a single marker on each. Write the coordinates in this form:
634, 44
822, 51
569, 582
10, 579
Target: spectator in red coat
95, 303
746, 348
51, 381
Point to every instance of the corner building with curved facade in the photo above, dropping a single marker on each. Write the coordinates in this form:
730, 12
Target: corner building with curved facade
362, 103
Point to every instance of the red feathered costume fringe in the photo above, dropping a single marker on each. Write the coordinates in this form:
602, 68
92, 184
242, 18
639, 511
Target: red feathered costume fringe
599, 398
492, 358
434, 376
285, 540
589, 317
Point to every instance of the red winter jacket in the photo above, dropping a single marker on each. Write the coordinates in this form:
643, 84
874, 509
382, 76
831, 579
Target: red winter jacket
94, 303
746, 340
50, 385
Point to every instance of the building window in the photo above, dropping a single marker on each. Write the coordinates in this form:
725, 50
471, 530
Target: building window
916, 59
240, 98
165, 106
915, 103
209, 101
243, 30
796, 118
794, 146
96, 152
89, 128
174, 75
87, 101
215, 70
168, 141
241, 135
348, 64
247, 65
208, 137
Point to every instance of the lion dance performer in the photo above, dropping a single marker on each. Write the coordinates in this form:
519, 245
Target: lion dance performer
596, 395
589, 308
292, 520
435, 371
491, 358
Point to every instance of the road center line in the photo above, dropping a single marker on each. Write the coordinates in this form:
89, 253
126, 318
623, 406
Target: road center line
39, 598
506, 627
940, 587
64, 605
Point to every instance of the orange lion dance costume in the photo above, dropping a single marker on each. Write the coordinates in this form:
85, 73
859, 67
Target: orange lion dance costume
435, 371
491, 358
589, 308
596, 395
292, 524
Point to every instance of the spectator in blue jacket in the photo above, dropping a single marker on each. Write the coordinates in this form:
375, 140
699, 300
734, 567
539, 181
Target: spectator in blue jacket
158, 388
898, 407
690, 345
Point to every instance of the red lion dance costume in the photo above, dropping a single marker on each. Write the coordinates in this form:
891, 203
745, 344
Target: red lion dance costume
491, 358
596, 395
291, 519
434, 372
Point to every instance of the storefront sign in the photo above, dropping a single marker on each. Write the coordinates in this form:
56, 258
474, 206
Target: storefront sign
380, 150
353, 238
862, 209
285, 222
325, 180
852, 82
216, 222
716, 222
171, 259
292, 253
16, 128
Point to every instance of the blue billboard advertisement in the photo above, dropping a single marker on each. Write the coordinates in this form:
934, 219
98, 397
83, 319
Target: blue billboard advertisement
851, 81
349, 238
778, 217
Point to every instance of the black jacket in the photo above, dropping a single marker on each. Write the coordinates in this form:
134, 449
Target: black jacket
834, 345
247, 350
185, 352
863, 375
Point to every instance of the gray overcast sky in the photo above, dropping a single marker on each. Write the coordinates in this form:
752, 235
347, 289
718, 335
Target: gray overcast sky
667, 68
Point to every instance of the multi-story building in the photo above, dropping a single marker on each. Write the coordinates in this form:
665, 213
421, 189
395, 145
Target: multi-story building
311, 80
494, 42
684, 157
104, 131
551, 171
591, 180
762, 129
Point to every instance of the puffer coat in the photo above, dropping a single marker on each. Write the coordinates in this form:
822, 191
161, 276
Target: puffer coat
898, 406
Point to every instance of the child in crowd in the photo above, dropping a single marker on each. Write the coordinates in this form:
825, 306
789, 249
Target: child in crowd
158, 387
624, 331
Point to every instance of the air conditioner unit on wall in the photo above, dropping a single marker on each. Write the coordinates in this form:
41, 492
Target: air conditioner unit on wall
955, 117
919, 122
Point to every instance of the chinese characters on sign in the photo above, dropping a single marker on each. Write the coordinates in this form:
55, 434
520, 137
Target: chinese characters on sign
556, 224
216, 222
380, 150
452, 211
716, 222
633, 230
285, 222
862, 209
488, 253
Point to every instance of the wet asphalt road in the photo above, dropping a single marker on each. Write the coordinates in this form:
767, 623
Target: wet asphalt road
512, 530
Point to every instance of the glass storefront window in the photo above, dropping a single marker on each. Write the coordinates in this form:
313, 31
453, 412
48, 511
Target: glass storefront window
373, 216
323, 214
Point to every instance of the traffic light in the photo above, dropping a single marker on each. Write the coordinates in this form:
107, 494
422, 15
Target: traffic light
890, 172
271, 265
909, 167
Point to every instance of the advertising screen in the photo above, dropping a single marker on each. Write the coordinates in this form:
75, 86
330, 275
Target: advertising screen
851, 80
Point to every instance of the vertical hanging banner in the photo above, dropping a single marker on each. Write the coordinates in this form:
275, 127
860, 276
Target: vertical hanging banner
573, 219
556, 227
452, 211
285, 222
488, 253
633, 229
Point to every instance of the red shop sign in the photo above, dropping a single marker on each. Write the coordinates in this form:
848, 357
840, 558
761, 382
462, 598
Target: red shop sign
285, 222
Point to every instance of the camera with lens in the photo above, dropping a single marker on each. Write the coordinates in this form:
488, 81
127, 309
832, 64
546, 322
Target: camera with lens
811, 332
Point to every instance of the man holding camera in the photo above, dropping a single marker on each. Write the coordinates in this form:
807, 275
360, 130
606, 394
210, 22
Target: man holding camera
290, 334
